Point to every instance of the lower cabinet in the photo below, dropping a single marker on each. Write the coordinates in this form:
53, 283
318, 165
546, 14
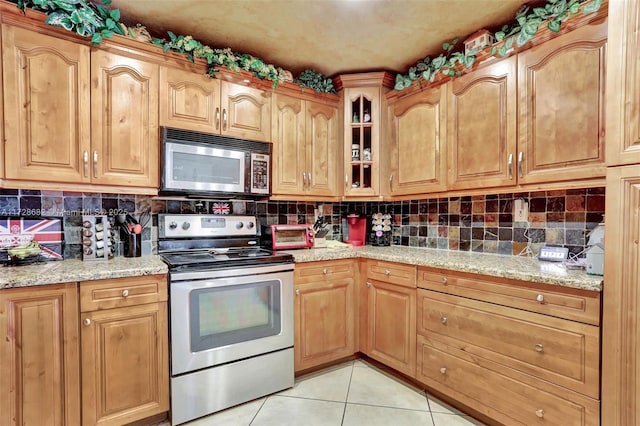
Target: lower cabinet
125, 367
388, 312
324, 312
39, 358
530, 361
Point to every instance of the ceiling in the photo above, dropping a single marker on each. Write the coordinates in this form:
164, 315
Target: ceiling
330, 36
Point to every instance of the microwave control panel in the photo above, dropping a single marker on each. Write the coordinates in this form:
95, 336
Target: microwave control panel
259, 173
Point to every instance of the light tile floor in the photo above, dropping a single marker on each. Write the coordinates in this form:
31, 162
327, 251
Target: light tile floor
351, 394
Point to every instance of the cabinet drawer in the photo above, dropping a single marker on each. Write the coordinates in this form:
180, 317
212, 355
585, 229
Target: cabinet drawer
573, 304
314, 272
459, 375
394, 273
115, 293
560, 351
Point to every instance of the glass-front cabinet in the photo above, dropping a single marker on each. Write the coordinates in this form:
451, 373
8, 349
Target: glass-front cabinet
363, 118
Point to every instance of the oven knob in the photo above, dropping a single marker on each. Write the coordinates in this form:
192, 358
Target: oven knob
186, 225
239, 225
173, 225
250, 225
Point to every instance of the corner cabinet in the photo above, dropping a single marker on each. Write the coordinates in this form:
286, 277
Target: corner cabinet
305, 147
364, 108
125, 352
193, 100
324, 312
418, 152
561, 107
39, 355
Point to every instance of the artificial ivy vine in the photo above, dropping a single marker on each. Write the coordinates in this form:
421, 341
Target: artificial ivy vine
525, 25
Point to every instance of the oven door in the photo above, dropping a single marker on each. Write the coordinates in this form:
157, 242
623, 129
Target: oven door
192, 167
220, 320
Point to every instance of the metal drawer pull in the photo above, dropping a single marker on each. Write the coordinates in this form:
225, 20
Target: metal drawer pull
95, 163
520, 158
540, 298
387, 272
87, 321
510, 166
125, 293
443, 370
85, 160
217, 118
324, 271
444, 280
297, 292
443, 320
539, 347
368, 284
540, 413
304, 179
224, 119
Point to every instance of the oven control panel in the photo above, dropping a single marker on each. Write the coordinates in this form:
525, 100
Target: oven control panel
205, 225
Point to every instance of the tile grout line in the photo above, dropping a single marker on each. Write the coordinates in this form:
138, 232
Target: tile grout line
344, 411
256, 414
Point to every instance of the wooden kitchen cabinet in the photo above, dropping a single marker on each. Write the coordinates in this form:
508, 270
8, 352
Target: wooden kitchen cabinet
418, 151
305, 147
194, 101
388, 315
561, 107
124, 333
46, 106
324, 312
39, 355
533, 357
482, 127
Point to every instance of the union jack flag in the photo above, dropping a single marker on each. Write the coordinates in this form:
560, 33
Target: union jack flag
47, 232
220, 208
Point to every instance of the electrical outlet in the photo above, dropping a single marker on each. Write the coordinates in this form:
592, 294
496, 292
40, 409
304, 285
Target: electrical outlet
520, 210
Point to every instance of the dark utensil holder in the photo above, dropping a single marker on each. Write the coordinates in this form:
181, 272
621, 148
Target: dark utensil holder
133, 245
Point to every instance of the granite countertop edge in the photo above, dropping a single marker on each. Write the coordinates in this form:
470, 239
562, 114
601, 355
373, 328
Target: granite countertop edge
512, 267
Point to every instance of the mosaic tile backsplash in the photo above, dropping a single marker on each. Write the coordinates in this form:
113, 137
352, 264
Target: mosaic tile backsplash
482, 223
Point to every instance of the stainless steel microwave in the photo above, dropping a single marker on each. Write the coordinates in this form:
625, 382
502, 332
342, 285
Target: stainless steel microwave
201, 164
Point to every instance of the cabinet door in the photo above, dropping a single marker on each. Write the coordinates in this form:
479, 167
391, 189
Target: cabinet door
621, 299
322, 149
46, 107
125, 369
623, 83
482, 127
40, 375
189, 100
289, 155
324, 322
419, 154
124, 119
246, 112
392, 325
561, 107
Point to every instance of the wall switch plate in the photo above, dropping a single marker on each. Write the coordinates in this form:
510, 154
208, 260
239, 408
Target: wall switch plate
520, 210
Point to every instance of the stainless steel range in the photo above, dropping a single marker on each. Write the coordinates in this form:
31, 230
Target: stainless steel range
231, 313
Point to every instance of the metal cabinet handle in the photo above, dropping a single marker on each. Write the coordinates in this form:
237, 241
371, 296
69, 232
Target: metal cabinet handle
125, 293
540, 413
443, 370
368, 284
540, 298
443, 320
391, 182
539, 347
510, 166
224, 119
324, 271
443, 280
520, 158
217, 118
297, 292
309, 176
85, 159
87, 321
387, 272
95, 163
304, 180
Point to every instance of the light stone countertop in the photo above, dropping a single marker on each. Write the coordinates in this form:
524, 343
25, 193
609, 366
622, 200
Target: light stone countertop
513, 267
74, 270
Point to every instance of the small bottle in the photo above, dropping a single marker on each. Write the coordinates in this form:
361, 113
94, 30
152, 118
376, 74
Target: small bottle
355, 152
355, 118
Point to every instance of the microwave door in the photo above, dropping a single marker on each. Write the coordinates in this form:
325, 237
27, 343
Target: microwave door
200, 168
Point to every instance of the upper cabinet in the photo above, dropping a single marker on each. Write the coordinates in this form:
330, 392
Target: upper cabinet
195, 101
419, 143
124, 118
47, 107
305, 147
78, 117
482, 127
561, 107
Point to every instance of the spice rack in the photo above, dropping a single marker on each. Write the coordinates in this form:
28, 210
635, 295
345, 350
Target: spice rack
96, 237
